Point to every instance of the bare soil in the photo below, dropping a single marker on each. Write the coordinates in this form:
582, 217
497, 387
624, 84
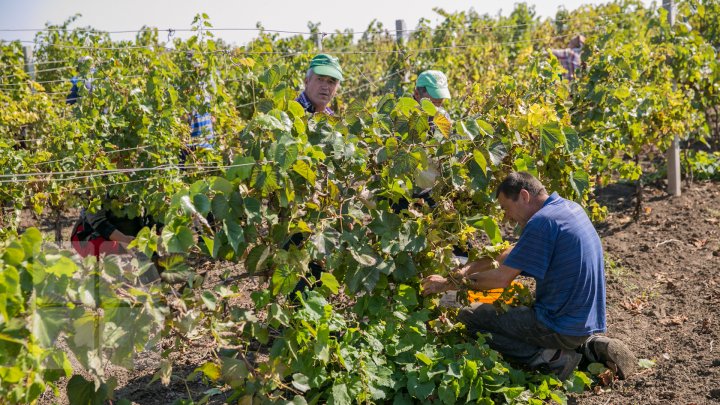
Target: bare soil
663, 293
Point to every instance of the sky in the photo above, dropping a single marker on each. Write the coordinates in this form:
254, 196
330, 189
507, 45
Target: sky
284, 15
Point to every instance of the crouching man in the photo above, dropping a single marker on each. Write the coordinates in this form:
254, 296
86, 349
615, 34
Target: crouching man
561, 250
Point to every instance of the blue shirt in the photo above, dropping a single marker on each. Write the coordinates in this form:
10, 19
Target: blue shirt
74, 95
307, 105
201, 131
561, 250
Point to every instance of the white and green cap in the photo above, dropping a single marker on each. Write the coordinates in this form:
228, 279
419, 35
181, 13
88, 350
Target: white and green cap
326, 65
435, 82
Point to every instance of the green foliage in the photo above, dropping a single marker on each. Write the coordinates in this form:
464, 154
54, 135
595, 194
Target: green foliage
83, 392
283, 189
47, 295
646, 82
646, 363
702, 165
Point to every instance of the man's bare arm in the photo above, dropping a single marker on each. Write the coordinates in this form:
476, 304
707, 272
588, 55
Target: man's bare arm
501, 277
484, 264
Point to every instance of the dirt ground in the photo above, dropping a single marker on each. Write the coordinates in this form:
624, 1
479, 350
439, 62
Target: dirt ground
663, 295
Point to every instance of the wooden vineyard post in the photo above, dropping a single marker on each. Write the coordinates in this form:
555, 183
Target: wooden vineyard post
673, 152
400, 73
30, 69
400, 31
29, 61
318, 41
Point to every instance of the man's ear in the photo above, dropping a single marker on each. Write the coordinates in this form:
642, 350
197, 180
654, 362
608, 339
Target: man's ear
525, 195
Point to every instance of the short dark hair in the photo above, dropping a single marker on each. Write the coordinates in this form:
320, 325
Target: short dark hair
517, 181
422, 89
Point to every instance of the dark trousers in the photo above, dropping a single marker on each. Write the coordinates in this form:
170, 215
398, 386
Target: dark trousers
517, 334
314, 269
404, 204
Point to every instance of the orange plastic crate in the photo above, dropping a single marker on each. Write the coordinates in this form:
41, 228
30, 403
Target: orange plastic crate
488, 296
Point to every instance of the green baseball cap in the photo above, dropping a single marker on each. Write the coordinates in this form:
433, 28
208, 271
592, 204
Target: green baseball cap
435, 82
326, 65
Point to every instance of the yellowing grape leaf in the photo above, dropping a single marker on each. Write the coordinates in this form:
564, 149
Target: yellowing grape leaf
443, 124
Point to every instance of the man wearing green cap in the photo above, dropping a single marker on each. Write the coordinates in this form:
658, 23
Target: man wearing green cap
433, 85
321, 83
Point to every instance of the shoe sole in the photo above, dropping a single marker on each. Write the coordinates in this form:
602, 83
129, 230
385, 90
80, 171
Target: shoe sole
615, 355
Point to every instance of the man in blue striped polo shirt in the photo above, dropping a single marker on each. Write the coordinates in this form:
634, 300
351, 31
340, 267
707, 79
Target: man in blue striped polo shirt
561, 250
201, 130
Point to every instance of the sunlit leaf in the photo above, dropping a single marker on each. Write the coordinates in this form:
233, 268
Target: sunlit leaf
302, 168
284, 279
330, 282
221, 184
178, 240
423, 358
209, 299
47, 321
63, 266
405, 105
442, 123
646, 363
211, 370
241, 168
550, 137
480, 160
580, 182
428, 107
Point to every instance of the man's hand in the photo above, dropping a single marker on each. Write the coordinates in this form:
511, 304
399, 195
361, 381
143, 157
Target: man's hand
435, 284
121, 237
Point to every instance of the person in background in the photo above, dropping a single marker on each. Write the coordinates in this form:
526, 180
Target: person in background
199, 116
432, 85
322, 80
74, 95
105, 233
201, 130
561, 250
202, 133
570, 57
201, 122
